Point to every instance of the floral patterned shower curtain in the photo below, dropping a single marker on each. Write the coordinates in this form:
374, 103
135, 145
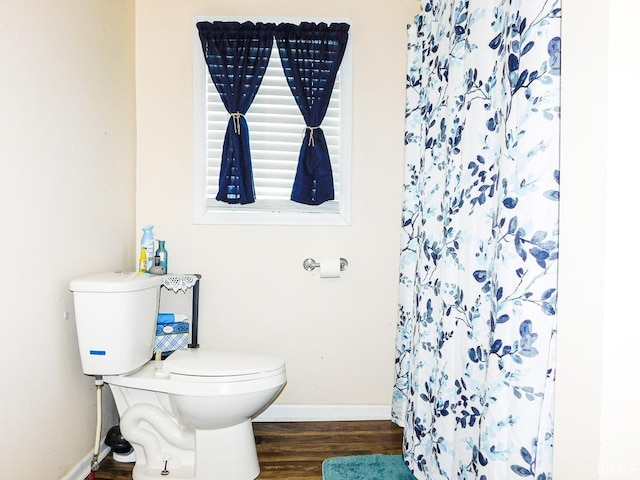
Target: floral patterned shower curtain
477, 309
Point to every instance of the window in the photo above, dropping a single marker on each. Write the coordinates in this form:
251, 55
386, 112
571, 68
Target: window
276, 129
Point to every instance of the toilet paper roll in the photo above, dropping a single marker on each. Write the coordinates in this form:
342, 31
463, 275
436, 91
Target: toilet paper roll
330, 268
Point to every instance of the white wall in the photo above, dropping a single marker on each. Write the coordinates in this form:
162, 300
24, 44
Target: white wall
67, 153
581, 286
596, 407
597, 415
337, 336
619, 458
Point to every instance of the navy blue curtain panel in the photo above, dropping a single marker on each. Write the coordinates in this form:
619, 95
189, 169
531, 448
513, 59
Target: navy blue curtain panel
237, 55
311, 55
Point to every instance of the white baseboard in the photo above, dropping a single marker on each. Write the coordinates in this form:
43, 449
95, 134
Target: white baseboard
83, 468
328, 413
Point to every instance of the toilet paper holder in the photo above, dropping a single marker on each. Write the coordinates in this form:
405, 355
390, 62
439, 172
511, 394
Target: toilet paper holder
309, 264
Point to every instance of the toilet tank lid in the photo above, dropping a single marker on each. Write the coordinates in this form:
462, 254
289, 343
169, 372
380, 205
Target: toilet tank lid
115, 282
213, 363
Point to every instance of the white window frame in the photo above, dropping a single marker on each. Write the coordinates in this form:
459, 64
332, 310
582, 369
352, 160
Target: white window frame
265, 212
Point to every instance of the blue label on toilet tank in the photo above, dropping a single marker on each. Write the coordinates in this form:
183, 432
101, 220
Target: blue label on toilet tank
97, 352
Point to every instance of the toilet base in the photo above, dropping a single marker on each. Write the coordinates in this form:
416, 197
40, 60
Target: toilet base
226, 453
129, 457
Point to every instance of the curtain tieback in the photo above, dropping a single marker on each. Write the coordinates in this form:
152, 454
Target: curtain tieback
312, 142
235, 116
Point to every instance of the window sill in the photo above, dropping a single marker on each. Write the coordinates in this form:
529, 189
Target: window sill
271, 213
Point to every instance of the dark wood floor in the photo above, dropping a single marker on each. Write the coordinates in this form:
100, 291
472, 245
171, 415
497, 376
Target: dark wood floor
295, 450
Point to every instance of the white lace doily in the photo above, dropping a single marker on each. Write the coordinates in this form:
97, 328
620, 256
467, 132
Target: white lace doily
179, 282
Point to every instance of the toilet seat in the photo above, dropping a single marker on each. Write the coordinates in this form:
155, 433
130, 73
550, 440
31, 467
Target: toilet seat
204, 372
200, 362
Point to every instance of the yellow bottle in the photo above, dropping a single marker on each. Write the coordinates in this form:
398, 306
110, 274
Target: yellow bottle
142, 268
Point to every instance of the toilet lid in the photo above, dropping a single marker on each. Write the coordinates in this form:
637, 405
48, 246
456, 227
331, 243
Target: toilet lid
219, 363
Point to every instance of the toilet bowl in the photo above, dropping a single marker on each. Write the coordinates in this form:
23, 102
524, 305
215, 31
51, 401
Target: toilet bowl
189, 416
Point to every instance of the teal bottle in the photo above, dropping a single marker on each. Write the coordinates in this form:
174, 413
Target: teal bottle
162, 253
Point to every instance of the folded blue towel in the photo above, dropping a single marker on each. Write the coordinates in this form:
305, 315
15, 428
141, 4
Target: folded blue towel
171, 318
172, 328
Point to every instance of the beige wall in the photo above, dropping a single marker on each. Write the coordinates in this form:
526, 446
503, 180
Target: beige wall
336, 335
67, 150
67, 158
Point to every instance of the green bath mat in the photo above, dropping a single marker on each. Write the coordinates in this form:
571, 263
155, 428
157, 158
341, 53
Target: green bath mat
366, 467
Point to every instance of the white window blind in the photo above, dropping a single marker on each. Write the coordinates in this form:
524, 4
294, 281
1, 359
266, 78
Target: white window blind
276, 130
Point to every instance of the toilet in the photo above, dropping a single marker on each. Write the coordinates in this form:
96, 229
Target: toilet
188, 416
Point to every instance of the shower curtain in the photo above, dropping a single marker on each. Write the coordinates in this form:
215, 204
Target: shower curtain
478, 266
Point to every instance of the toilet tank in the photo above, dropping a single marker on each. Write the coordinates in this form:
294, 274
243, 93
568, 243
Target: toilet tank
116, 316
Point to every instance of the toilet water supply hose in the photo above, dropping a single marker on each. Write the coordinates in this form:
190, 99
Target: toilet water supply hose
95, 463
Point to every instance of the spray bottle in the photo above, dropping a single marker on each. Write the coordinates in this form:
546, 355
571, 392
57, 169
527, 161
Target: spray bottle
147, 244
